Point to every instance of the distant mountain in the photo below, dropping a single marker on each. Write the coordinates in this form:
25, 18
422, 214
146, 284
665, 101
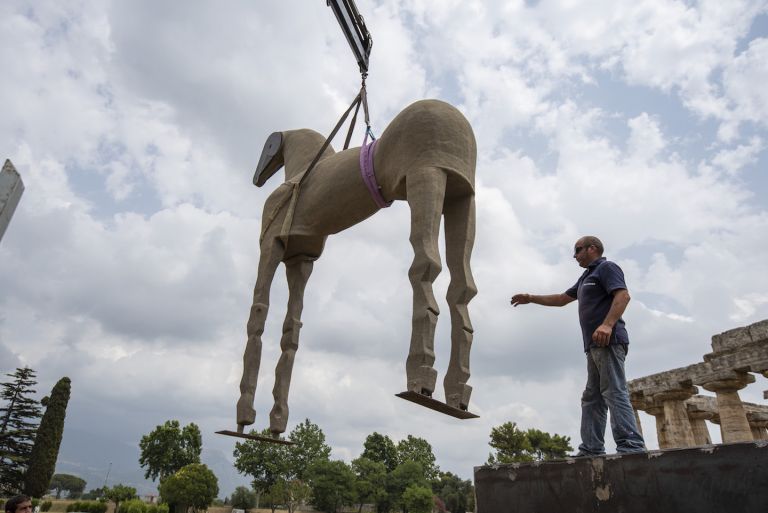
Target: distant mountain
99, 459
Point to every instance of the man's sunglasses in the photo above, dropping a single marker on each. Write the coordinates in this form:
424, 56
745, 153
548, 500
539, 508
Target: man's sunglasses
578, 249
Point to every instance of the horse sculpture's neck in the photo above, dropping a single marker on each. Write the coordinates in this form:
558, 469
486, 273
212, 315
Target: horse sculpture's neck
299, 149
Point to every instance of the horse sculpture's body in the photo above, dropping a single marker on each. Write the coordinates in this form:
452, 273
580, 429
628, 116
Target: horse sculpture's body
426, 156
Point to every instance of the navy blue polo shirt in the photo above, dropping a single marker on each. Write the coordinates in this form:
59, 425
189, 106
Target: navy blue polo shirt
594, 290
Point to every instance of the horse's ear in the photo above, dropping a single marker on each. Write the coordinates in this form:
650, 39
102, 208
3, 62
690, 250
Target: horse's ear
271, 159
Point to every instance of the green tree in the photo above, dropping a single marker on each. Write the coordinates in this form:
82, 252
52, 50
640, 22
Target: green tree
417, 499
419, 450
194, 487
371, 482
95, 493
45, 452
332, 485
168, 448
511, 444
514, 445
290, 493
269, 463
409, 473
243, 498
18, 424
266, 499
309, 448
266, 463
457, 494
548, 447
380, 448
119, 493
73, 485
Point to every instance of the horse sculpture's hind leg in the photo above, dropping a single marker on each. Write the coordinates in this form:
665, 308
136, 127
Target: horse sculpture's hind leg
297, 271
425, 193
271, 255
459, 238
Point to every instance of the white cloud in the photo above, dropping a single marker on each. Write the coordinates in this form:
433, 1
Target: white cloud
646, 139
748, 103
747, 305
733, 160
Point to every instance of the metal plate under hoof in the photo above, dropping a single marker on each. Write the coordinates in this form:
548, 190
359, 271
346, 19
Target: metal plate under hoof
434, 404
258, 438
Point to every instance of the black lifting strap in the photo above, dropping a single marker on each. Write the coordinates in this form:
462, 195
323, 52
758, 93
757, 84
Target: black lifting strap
361, 98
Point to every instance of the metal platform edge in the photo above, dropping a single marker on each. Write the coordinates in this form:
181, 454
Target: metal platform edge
434, 404
257, 438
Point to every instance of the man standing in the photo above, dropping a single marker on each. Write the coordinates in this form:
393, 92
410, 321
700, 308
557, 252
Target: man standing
18, 504
603, 297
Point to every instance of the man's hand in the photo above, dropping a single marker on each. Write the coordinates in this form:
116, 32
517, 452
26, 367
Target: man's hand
602, 335
520, 299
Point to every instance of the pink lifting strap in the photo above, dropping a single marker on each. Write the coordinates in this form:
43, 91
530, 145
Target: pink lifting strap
369, 177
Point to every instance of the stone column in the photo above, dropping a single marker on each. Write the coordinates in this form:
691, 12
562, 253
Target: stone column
639, 403
699, 420
758, 423
677, 426
637, 421
733, 418
716, 420
661, 430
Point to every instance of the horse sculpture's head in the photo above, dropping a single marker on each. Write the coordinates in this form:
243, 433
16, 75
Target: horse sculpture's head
271, 159
293, 149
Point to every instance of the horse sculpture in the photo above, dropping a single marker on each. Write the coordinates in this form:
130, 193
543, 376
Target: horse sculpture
427, 157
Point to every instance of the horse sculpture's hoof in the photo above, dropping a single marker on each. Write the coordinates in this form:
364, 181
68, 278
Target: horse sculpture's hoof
457, 396
422, 381
278, 420
246, 415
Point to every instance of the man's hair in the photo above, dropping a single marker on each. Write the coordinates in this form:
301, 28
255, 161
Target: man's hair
591, 240
12, 503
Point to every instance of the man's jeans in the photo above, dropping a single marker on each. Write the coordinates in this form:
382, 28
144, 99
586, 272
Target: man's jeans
607, 390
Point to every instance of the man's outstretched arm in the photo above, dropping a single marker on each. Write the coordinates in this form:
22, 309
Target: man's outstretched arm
546, 300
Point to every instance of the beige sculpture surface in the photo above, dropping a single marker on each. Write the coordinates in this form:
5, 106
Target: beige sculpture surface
426, 157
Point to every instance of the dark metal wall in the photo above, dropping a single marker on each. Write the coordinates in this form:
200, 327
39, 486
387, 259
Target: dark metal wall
713, 479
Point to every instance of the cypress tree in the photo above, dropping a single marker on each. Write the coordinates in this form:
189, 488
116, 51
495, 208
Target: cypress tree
42, 461
18, 418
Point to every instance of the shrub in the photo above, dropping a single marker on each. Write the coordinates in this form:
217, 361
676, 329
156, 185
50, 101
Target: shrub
98, 507
88, 506
46, 506
133, 506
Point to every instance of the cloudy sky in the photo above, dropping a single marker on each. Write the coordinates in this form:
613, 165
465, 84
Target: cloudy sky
136, 126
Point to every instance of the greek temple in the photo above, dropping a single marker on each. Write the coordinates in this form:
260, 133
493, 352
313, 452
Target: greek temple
681, 414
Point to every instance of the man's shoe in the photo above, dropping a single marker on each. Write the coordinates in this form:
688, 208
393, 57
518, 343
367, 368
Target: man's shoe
582, 454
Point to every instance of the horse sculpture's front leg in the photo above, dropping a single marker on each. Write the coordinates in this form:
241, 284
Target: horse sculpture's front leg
297, 271
271, 255
425, 193
459, 239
